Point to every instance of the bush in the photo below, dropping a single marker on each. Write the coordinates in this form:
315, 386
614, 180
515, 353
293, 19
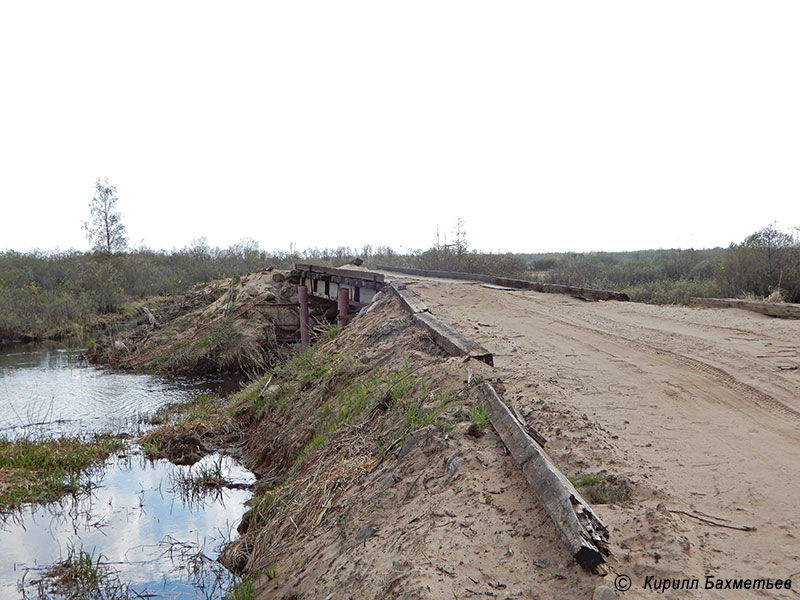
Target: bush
671, 292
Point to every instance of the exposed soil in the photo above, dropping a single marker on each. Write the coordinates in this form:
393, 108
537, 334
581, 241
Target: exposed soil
699, 409
441, 513
229, 325
686, 422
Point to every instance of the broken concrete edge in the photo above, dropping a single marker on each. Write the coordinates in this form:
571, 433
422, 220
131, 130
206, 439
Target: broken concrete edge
783, 310
453, 342
581, 530
520, 284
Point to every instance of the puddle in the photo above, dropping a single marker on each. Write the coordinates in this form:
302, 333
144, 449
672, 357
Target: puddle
154, 540
138, 524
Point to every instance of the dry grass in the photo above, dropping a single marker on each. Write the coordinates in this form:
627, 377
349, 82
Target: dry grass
281, 516
332, 420
777, 295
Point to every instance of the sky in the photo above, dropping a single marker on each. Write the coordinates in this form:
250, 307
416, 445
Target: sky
545, 126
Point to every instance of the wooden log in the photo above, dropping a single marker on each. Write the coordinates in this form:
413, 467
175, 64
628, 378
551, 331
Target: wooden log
149, 316
540, 439
782, 310
451, 340
413, 302
448, 338
519, 284
581, 530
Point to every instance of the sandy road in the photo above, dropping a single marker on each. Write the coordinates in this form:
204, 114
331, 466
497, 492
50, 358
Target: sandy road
691, 405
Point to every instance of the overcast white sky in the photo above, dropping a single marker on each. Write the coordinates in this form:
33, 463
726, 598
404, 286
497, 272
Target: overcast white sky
546, 126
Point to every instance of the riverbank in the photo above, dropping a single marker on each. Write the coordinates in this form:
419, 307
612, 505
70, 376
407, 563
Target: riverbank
149, 527
235, 325
377, 473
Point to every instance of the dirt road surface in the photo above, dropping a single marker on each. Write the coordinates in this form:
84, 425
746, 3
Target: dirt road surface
698, 408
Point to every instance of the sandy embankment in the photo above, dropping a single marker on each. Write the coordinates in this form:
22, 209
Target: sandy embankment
699, 408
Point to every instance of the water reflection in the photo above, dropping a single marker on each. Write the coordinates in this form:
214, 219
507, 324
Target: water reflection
157, 542
139, 526
46, 390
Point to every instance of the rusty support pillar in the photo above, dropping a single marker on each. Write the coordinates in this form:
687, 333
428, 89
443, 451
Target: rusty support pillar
343, 304
302, 295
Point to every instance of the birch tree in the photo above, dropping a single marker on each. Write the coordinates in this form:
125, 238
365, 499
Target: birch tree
104, 229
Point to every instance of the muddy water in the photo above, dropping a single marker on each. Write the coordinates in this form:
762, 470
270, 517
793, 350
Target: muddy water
136, 520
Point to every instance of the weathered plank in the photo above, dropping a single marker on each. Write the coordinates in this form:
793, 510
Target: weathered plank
582, 531
540, 439
351, 273
783, 310
413, 302
519, 284
451, 340
149, 316
448, 338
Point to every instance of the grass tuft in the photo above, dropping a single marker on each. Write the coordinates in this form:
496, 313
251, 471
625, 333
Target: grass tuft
45, 470
604, 488
243, 590
478, 416
198, 481
83, 575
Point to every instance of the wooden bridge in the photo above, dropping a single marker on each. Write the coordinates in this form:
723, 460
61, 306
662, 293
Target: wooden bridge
326, 282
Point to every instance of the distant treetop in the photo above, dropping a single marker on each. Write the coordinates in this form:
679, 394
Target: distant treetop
104, 229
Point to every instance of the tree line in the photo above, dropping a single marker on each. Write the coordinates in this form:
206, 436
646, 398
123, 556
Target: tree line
764, 265
45, 292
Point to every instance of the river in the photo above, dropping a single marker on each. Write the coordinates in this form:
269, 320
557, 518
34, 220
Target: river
136, 521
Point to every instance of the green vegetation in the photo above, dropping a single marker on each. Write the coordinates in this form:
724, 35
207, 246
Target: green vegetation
330, 333
456, 256
478, 416
224, 332
42, 293
45, 470
197, 481
586, 480
200, 409
82, 575
50, 292
349, 389
444, 258
243, 590
184, 429
766, 261
604, 488
223, 348
416, 417
330, 418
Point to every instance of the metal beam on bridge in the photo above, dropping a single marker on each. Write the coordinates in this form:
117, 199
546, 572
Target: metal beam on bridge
326, 281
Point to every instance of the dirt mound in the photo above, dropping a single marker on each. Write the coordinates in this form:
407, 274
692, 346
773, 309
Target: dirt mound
374, 481
228, 325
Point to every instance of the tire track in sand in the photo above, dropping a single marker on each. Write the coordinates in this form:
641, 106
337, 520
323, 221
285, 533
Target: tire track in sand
718, 374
